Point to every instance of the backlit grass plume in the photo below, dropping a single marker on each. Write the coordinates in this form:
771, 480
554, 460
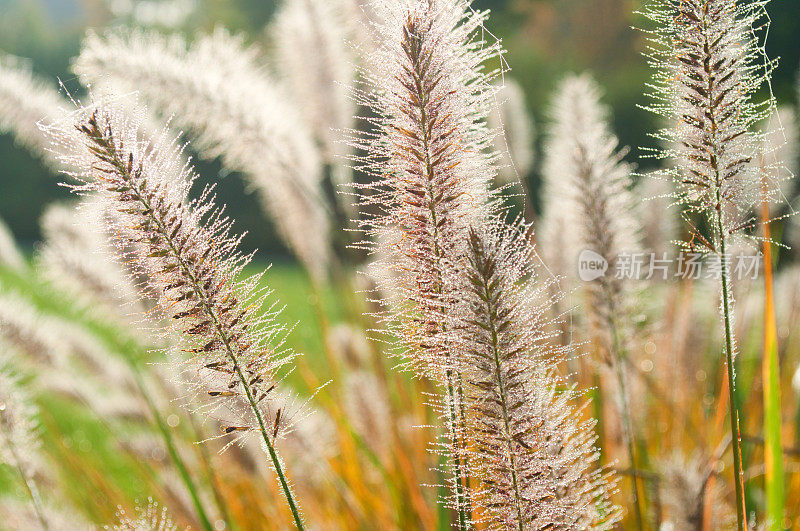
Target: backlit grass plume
216, 89
21, 515
709, 65
186, 252
77, 256
311, 52
587, 182
683, 491
587, 178
514, 140
428, 152
427, 155
26, 99
532, 451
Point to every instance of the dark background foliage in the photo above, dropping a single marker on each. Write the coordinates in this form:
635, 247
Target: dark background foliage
544, 38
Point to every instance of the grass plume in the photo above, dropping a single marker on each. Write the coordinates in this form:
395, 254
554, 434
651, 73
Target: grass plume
587, 178
533, 453
190, 260
217, 90
709, 65
428, 152
25, 99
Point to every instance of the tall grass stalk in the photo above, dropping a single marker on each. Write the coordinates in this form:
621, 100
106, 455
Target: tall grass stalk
587, 187
710, 63
727, 315
428, 149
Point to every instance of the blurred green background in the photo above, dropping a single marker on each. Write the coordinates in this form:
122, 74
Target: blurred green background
544, 39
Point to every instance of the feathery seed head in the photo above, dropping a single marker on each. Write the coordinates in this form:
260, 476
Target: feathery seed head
18, 438
683, 490
709, 64
69, 361
309, 37
349, 345
587, 178
185, 251
18, 514
77, 255
24, 101
216, 89
367, 406
428, 154
533, 453
24, 328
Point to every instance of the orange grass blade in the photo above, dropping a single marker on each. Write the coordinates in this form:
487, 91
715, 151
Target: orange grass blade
773, 457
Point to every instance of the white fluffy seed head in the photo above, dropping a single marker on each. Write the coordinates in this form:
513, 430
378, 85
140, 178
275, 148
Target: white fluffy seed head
709, 66
19, 441
149, 517
514, 140
589, 204
27, 330
24, 101
77, 256
531, 451
19, 514
314, 61
683, 492
428, 149
216, 89
184, 251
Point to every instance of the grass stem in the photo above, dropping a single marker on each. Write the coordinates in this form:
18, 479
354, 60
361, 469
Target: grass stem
727, 315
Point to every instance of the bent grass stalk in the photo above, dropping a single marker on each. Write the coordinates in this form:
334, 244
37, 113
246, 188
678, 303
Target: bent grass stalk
191, 263
223, 334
